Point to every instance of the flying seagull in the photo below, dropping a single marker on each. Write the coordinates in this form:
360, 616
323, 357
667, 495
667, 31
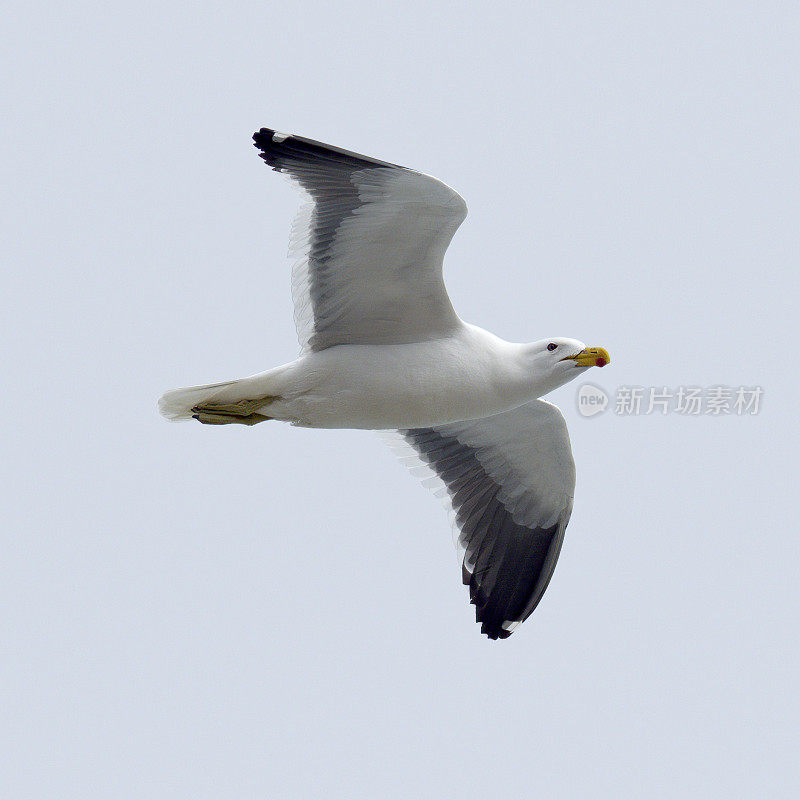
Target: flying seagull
382, 348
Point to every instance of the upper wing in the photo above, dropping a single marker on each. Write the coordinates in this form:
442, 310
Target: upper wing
369, 247
510, 480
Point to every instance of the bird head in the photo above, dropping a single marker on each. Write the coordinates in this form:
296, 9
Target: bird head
557, 361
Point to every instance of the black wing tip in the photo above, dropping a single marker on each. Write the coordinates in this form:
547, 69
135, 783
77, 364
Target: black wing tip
488, 618
264, 141
273, 145
263, 137
495, 633
492, 630
491, 626
497, 605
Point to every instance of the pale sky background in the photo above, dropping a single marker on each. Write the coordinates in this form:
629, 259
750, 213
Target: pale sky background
194, 612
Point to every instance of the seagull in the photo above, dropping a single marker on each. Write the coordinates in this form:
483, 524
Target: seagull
382, 348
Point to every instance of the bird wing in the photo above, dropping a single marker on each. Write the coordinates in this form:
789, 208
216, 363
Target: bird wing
368, 248
509, 480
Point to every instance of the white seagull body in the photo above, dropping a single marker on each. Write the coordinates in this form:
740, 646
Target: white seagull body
382, 348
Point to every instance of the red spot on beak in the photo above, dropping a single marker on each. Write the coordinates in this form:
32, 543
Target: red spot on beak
600, 362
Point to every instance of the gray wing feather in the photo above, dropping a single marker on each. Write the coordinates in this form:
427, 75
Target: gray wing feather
369, 247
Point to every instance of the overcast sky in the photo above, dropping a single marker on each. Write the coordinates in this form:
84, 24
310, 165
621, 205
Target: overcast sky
195, 612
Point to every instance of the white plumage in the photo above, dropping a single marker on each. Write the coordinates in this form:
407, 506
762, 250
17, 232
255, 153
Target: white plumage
382, 347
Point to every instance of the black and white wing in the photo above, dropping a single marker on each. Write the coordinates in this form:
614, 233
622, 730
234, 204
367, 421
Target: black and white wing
368, 248
510, 480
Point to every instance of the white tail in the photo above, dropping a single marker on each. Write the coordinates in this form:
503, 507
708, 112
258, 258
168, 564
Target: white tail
177, 405
232, 401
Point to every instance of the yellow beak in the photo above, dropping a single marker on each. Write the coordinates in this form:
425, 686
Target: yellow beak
590, 357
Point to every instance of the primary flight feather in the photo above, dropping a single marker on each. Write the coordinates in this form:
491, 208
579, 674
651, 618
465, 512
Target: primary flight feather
382, 348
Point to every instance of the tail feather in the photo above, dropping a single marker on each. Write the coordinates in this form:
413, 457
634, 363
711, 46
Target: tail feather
177, 405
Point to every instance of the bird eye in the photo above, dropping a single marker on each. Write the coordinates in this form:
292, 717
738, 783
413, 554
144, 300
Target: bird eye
552, 346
